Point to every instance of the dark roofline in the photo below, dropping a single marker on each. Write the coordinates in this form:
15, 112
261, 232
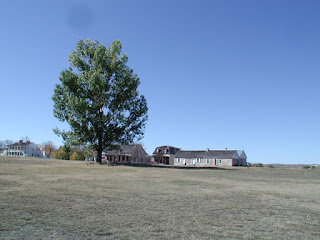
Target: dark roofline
141, 147
20, 143
206, 150
122, 150
206, 154
166, 146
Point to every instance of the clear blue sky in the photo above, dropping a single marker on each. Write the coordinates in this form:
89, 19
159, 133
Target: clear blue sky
235, 74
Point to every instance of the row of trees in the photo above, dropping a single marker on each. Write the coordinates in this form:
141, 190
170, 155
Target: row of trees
69, 152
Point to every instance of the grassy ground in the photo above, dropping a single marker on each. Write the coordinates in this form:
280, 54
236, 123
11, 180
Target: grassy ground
53, 199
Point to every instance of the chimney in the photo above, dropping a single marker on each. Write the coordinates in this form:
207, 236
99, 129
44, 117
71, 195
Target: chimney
226, 149
207, 150
21, 141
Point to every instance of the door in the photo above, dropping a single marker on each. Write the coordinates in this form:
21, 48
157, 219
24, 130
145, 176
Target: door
193, 161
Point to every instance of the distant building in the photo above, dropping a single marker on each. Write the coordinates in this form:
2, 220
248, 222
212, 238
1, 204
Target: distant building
131, 154
174, 156
22, 149
45, 150
242, 158
165, 154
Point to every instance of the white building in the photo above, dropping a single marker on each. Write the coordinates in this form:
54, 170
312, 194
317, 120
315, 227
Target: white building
22, 149
175, 156
211, 158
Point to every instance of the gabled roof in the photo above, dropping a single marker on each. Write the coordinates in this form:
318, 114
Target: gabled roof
221, 154
126, 149
241, 152
172, 150
20, 143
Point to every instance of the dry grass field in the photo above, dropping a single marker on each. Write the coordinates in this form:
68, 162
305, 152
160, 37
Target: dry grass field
53, 199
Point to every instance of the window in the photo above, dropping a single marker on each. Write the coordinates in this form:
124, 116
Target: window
178, 160
220, 161
198, 160
208, 160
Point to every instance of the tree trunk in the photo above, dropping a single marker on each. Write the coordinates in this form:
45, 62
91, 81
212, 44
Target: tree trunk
99, 152
99, 156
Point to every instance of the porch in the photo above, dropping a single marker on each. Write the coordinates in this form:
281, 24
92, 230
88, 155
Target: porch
161, 160
126, 158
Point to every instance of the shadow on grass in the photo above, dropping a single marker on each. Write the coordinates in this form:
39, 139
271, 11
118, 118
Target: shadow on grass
170, 166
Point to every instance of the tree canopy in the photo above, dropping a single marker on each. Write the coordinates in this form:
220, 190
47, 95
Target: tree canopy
98, 97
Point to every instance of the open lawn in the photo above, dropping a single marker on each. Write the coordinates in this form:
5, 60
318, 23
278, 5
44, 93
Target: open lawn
54, 199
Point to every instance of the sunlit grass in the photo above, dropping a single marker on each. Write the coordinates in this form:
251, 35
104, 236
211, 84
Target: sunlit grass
43, 198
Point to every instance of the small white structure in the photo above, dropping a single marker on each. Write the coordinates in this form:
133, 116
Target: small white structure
46, 154
22, 149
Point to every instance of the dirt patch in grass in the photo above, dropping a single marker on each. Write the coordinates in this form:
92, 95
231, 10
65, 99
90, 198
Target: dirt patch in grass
52, 199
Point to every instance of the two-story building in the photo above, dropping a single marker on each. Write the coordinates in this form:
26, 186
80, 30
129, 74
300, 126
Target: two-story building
22, 149
165, 154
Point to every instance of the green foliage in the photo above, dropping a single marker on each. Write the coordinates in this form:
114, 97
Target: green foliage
60, 154
271, 166
67, 149
77, 156
306, 167
66, 152
257, 165
312, 167
98, 98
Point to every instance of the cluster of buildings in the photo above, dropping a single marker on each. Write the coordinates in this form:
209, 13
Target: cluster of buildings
135, 154
168, 155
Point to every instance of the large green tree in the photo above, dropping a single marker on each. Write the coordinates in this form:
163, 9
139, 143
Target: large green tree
98, 97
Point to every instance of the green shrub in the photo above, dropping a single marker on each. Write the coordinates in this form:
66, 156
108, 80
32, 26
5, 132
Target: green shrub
257, 165
313, 167
271, 166
60, 154
77, 156
306, 167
